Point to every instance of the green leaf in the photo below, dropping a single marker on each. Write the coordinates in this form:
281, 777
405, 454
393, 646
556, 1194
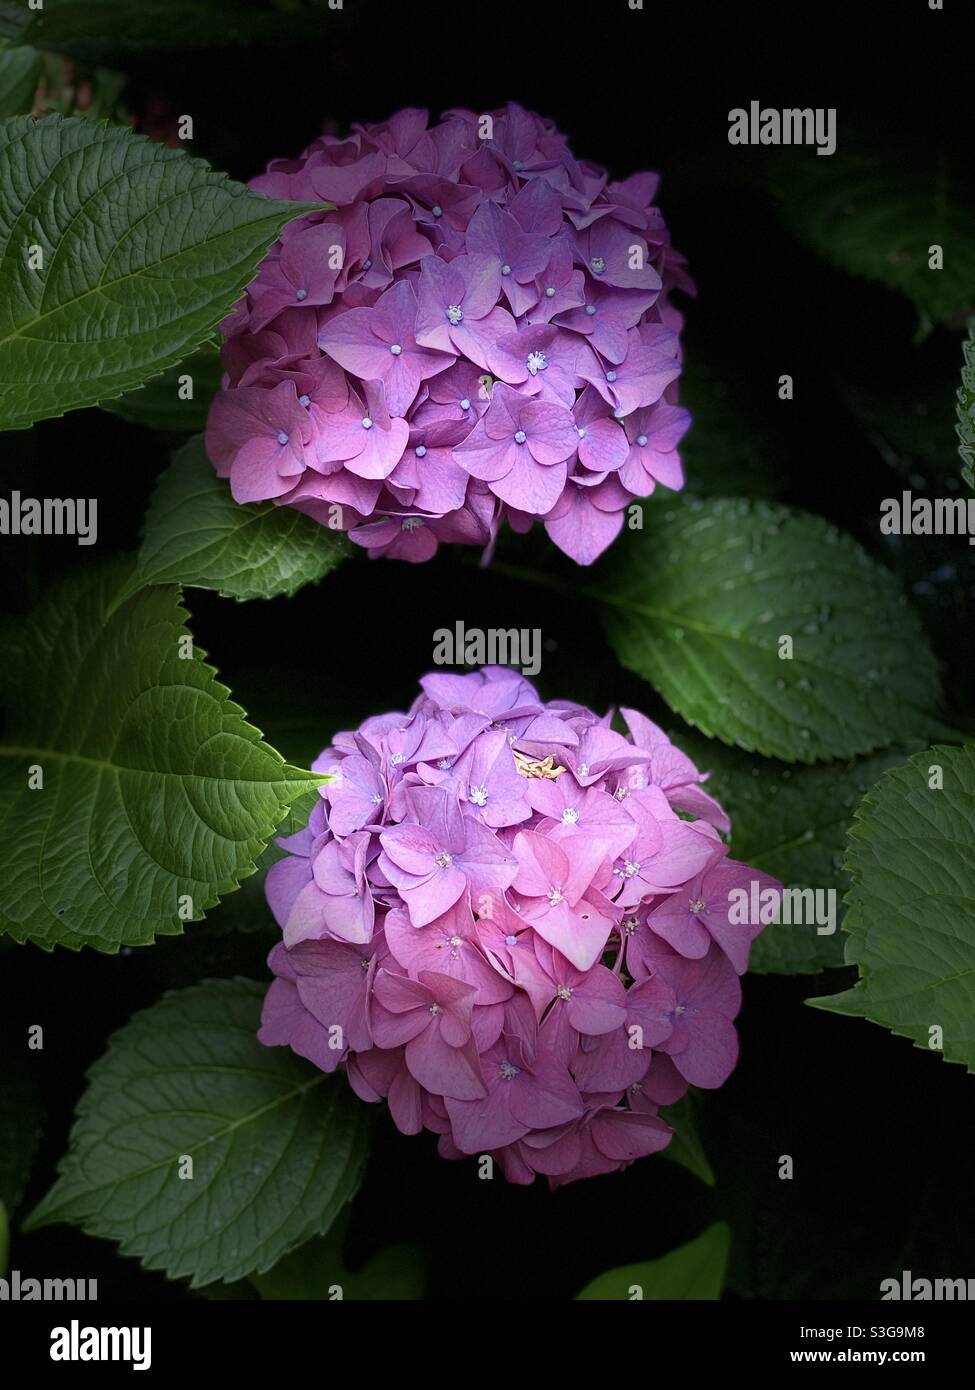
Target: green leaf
157, 795
910, 429
697, 604
21, 1114
686, 1148
196, 534
966, 410
160, 404
247, 909
692, 1271
277, 1147
122, 24
911, 917
317, 1272
876, 213
790, 822
20, 71
96, 93
144, 251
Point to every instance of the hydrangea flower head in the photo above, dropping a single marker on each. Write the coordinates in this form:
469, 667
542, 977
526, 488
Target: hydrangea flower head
518, 926
476, 327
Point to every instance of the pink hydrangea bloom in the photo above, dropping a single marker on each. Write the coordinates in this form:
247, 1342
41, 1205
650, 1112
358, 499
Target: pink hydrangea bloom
519, 927
477, 328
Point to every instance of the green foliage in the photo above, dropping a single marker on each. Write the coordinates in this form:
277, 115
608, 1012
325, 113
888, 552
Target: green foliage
196, 534
277, 1147
317, 1272
698, 604
21, 1114
790, 822
693, 1271
144, 251
878, 213
686, 1147
159, 405
911, 910
20, 69
157, 795
73, 25
966, 410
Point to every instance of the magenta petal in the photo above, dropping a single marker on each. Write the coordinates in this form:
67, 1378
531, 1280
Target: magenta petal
431, 898
411, 848
285, 880
444, 1070
624, 1135
546, 1097
711, 1052
600, 1005
482, 1125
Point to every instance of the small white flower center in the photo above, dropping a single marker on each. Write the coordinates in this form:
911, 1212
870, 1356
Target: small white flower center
536, 362
454, 313
479, 796
444, 860
570, 815
366, 423
555, 897
395, 349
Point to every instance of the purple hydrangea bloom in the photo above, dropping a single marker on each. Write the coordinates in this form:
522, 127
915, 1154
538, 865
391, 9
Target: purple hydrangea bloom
454, 268
518, 926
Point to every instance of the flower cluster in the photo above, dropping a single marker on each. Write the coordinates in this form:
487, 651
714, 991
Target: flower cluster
515, 924
478, 328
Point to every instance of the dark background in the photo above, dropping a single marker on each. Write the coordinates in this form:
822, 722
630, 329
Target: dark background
880, 1132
